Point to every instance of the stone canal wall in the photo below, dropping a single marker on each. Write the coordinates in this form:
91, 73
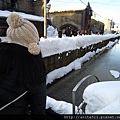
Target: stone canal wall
63, 59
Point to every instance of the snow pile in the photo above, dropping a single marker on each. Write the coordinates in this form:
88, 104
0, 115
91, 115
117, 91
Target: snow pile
87, 40
115, 73
51, 46
6, 13
101, 99
60, 107
51, 31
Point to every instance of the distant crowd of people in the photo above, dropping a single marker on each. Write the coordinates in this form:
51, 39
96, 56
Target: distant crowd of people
74, 32
68, 32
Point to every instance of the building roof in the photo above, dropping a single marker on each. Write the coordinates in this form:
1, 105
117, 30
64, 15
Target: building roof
69, 8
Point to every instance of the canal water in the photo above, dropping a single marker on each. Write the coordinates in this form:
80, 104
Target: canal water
100, 66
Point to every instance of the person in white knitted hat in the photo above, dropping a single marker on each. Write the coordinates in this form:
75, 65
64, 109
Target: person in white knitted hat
23, 32
22, 69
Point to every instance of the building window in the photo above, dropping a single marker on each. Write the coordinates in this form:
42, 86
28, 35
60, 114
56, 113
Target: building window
11, 5
14, 5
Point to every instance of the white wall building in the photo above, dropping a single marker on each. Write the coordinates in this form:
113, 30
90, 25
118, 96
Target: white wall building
107, 27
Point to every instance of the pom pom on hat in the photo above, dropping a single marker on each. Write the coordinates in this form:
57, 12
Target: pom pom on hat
15, 20
34, 49
23, 32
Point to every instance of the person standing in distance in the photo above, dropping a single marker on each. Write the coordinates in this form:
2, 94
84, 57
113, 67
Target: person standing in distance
22, 69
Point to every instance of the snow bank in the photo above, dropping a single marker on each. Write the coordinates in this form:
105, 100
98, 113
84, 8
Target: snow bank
60, 107
51, 31
102, 97
51, 46
6, 13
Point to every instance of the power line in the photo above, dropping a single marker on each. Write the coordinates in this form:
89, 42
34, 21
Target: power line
105, 4
92, 10
83, 2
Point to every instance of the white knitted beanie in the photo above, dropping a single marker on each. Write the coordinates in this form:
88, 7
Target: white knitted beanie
23, 32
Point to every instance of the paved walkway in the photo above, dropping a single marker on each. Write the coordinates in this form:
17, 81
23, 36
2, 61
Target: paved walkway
99, 66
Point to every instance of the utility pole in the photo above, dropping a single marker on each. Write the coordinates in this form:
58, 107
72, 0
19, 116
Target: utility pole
45, 19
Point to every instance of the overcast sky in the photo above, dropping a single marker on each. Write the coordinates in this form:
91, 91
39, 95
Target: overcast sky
102, 8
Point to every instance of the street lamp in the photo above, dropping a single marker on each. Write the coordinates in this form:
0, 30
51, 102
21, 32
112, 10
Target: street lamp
45, 17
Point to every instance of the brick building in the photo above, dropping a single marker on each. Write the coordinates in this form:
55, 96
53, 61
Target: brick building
26, 6
97, 27
79, 20
74, 19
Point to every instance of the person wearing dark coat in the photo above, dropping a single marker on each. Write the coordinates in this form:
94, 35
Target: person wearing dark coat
22, 69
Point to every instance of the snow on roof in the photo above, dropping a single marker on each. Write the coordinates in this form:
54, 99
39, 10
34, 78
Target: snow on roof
69, 8
6, 13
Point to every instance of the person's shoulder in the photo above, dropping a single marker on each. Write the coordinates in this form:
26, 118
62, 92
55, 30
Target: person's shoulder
12, 49
17, 50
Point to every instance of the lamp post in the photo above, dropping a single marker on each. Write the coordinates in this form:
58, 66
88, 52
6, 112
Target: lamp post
45, 19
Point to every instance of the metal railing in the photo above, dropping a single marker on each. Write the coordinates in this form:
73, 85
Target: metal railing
79, 84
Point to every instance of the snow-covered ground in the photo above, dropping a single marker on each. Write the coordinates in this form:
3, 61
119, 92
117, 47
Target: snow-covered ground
54, 45
99, 101
105, 100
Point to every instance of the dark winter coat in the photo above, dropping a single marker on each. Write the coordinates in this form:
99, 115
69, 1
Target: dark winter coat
21, 71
